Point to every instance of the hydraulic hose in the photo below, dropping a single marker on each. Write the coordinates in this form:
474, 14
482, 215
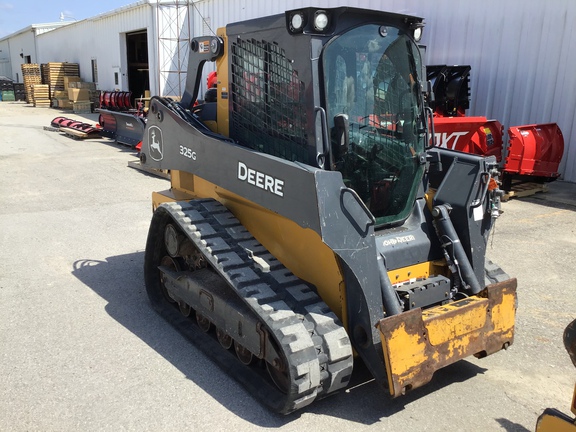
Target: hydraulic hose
390, 299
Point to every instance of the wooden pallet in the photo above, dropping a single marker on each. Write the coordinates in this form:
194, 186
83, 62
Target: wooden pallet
30, 69
79, 135
41, 95
53, 74
522, 190
30, 76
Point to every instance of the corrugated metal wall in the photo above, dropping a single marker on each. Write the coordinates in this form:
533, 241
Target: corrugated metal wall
101, 38
23, 44
5, 69
521, 52
522, 66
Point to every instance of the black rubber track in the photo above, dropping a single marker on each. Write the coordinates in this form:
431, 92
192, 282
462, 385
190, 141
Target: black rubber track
315, 344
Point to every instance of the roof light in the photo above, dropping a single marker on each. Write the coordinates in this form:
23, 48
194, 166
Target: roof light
320, 20
417, 27
297, 21
418, 34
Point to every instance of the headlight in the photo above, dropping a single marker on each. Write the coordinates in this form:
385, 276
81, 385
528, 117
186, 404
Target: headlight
418, 34
320, 20
297, 22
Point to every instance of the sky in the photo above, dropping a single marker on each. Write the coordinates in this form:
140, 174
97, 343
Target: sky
18, 14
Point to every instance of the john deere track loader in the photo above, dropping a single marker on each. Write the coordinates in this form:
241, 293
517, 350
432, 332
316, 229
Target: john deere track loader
309, 222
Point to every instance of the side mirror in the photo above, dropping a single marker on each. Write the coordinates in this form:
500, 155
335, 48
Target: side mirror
341, 129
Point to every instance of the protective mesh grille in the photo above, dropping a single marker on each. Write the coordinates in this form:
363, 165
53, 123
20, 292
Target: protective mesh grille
268, 113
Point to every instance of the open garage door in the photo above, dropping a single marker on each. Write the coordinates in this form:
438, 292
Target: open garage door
138, 67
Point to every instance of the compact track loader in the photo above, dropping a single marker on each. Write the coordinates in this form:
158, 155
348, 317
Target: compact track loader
310, 222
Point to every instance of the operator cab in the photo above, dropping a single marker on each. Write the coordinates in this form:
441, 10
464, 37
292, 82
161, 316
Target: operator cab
338, 89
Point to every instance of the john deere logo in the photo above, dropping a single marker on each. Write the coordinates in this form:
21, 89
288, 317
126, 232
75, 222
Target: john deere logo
155, 143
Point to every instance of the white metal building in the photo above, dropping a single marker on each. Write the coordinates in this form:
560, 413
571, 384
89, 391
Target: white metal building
20, 47
520, 50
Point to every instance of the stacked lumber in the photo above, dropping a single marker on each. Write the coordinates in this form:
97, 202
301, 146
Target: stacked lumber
54, 75
31, 76
41, 95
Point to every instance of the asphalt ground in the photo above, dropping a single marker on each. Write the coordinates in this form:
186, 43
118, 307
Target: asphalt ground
81, 348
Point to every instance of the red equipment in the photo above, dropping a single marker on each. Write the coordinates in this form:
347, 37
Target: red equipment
535, 150
75, 128
476, 135
123, 127
119, 120
64, 122
532, 152
212, 79
116, 100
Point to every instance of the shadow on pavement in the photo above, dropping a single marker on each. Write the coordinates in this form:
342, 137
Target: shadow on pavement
119, 281
558, 194
509, 426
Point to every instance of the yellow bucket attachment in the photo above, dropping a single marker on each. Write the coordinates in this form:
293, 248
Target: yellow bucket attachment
552, 420
417, 343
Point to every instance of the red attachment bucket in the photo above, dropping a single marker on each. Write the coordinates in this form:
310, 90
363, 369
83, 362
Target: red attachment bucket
534, 150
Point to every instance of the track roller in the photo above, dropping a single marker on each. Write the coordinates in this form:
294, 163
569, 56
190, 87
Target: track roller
225, 340
292, 348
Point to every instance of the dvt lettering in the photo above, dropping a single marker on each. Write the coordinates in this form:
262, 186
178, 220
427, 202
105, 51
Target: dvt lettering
260, 180
443, 139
